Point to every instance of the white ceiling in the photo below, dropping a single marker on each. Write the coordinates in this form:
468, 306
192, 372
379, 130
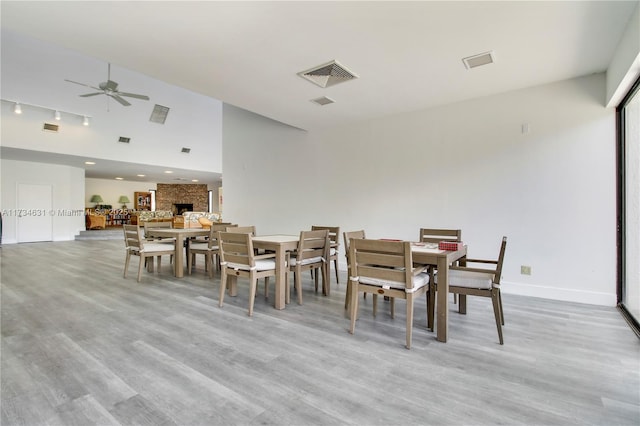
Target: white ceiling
408, 55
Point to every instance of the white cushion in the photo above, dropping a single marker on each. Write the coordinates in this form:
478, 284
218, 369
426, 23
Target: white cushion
332, 251
152, 247
261, 265
469, 279
306, 261
419, 281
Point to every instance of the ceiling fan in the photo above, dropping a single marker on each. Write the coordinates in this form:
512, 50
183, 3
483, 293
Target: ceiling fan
110, 88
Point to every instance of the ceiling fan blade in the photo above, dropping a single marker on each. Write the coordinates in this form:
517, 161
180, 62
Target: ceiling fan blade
133, 95
120, 100
91, 94
82, 84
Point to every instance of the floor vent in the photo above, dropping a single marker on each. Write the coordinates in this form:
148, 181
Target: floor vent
328, 74
124, 140
478, 60
186, 150
48, 127
159, 114
323, 101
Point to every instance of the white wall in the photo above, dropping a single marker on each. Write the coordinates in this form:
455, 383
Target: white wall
467, 165
68, 193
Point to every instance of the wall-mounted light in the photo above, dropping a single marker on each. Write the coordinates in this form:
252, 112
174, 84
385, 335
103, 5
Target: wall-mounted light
17, 108
85, 121
56, 115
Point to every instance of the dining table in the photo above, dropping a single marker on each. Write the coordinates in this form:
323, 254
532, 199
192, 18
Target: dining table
180, 235
280, 244
430, 254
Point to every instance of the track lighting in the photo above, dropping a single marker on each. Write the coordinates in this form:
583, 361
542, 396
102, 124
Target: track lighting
56, 115
17, 108
85, 121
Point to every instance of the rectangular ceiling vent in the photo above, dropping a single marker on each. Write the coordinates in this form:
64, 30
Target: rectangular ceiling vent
328, 74
186, 150
48, 127
124, 140
159, 114
323, 101
474, 61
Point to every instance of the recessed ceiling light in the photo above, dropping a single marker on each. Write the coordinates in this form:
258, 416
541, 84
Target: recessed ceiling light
141, 175
119, 178
168, 171
194, 180
90, 162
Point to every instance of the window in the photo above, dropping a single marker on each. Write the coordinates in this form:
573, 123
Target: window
628, 114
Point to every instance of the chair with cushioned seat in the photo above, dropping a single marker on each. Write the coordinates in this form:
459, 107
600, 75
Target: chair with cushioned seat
334, 245
311, 254
386, 268
208, 248
476, 281
136, 245
239, 260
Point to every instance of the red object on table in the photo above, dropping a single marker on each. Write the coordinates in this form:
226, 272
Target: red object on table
450, 245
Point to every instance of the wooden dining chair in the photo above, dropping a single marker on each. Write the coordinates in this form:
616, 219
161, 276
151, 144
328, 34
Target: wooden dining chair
480, 281
207, 247
242, 229
434, 236
334, 246
239, 260
386, 268
312, 253
347, 238
136, 245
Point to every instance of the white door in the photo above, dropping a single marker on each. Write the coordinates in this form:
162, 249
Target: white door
35, 218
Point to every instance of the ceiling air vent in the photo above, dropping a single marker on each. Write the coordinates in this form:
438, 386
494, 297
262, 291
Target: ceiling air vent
159, 114
328, 74
474, 61
48, 127
124, 140
323, 101
186, 150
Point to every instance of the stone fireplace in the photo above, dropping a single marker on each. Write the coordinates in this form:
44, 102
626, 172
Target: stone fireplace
179, 198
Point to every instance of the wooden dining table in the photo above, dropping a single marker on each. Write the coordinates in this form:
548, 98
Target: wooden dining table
427, 254
280, 244
180, 235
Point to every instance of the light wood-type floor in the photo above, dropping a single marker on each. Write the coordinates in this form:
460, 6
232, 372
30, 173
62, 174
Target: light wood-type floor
81, 346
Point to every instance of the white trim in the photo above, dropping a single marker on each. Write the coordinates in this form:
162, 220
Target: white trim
558, 293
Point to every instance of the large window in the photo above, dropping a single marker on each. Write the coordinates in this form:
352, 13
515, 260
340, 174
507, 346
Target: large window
629, 207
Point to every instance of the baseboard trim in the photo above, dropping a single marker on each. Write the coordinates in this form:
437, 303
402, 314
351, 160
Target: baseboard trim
558, 293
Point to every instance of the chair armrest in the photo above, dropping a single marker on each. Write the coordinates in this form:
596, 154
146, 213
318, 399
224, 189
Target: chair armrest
493, 262
265, 256
464, 268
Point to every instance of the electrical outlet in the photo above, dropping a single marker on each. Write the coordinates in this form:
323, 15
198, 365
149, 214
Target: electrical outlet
525, 270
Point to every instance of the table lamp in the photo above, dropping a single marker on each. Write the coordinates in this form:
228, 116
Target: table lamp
96, 199
124, 200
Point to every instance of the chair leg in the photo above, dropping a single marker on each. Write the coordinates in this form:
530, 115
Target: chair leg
354, 306
142, 259
190, 260
335, 266
501, 311
298, 284
159, 263
375, 305
126, 264
223, 286
326, 284
431, 307
266, 287
409, 319
252, 293
495, 298
392, 303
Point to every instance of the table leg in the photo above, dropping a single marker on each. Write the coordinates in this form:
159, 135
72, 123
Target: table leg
442, 299
280, 277
179, 261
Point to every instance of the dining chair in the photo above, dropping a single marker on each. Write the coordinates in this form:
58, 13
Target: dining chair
146, 225
434, 236
242, 229
311, 254
347, 238
334, 245
137, 246
239, 260
207, 247
386, 268
480, 281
